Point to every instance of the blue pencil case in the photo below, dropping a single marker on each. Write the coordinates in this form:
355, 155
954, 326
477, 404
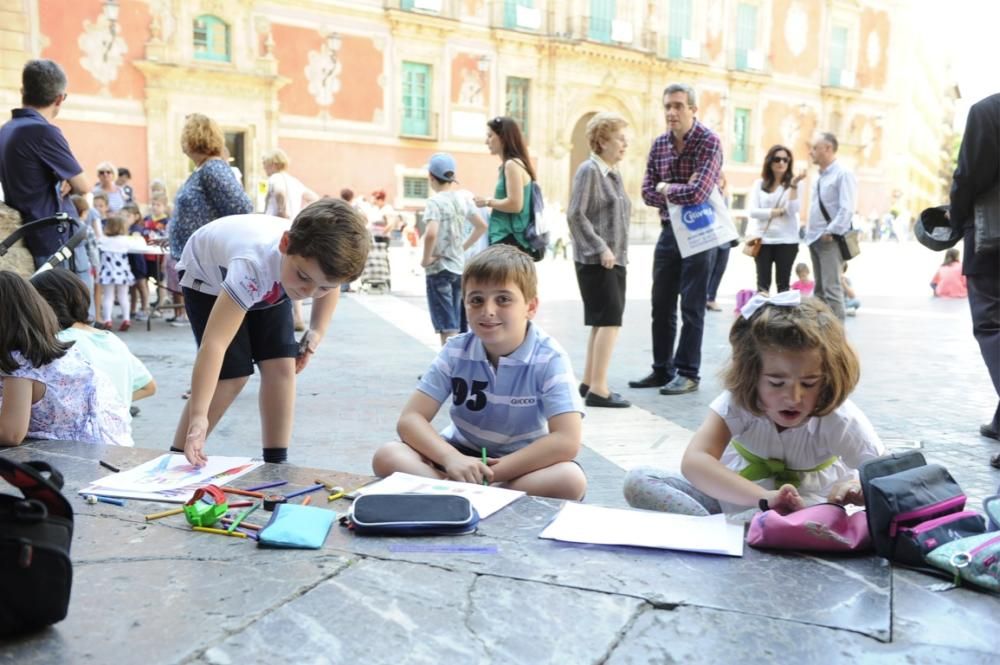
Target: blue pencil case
295, 526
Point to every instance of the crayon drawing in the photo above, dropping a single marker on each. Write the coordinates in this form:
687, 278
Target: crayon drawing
171, 478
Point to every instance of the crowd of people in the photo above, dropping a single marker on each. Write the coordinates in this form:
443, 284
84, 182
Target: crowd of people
515, 407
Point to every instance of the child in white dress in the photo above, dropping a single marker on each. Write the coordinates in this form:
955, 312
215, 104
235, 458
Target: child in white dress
784, 434
116, 275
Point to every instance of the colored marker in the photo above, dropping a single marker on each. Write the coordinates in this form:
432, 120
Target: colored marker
267, 486
485, 463
242, 516
94, 498
236, 490
317, 486
110, 467
221, 532
165, 513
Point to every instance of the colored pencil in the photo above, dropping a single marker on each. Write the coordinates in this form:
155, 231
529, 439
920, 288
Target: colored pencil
242, 516
165, 513
221, 532
306, 501
485, 463
240, 504
317, 486
243, 525
267, 486
337, 493
236, 490
110, 467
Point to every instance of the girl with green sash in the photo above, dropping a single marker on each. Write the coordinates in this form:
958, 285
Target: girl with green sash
784, 434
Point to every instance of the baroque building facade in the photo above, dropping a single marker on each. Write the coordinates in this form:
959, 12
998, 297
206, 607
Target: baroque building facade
360, 93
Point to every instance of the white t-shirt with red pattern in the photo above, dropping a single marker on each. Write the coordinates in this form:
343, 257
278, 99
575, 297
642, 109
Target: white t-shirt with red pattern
238, 254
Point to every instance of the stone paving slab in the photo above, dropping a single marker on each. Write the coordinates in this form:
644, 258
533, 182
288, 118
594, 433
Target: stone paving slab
158, 593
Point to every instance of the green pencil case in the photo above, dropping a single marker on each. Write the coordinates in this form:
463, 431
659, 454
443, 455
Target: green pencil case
298, 527
975, 560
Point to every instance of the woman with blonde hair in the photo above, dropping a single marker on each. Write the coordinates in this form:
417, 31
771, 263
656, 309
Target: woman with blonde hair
210, 192
106, 185
598, 217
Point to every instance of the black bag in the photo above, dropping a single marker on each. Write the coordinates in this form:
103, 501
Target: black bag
913, 507
35, 536
412, 515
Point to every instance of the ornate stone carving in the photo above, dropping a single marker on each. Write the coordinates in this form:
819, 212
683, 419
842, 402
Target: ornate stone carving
323, 71
103, 49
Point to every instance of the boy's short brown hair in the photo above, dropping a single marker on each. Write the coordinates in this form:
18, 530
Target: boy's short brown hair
500, 264
333, 233
810, 325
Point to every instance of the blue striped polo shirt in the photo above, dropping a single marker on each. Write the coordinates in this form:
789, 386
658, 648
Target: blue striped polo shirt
506, 408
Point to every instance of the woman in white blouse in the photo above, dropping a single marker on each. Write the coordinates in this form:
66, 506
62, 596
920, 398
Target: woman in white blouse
774, 210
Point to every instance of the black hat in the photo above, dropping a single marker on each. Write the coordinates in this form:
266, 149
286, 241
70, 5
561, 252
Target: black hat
934, 230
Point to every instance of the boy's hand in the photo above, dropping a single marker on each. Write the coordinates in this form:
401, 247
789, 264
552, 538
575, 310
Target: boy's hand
307, 347
785, 499
847, 492
194, 444
467, 469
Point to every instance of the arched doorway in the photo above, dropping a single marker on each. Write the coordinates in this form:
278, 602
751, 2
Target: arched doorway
581, 149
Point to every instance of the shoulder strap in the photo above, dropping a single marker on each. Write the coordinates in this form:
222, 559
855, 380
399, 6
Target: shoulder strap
822, 208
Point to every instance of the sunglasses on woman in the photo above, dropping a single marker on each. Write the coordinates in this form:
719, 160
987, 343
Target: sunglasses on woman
783, 160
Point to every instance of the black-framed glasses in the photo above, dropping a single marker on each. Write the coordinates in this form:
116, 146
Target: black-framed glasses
102, 171
778, 158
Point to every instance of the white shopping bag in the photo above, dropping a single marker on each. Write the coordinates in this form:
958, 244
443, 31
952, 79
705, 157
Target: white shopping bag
702, 226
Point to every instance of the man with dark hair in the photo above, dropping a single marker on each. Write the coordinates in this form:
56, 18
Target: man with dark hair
37, 169
683, 169
831, 208
975, 202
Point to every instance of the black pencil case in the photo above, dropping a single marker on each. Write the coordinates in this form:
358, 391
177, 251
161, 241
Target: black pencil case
412, 515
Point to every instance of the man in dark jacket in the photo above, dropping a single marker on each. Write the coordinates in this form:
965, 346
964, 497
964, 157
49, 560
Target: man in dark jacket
975, 191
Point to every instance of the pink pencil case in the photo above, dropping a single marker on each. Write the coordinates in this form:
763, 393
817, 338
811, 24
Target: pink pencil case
825, 527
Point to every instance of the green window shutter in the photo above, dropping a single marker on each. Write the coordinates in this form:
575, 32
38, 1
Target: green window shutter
416, 99
518, 90
602, 13
838, 54
741, 135
510, 11
415, 188
746, 32
679, 27
211, 39
406, 4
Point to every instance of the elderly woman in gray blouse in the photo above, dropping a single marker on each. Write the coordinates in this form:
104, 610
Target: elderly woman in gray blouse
598, 218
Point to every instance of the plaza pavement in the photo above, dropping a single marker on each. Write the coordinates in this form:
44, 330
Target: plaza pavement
923, 381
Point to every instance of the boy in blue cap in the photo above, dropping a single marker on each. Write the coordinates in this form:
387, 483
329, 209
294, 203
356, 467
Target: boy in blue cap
445, 244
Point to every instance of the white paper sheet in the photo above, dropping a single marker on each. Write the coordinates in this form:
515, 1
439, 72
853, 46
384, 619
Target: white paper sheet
487, 500
170, 478
581, 523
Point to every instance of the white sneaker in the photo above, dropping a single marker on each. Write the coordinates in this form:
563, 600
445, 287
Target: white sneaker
141, 316
180, 323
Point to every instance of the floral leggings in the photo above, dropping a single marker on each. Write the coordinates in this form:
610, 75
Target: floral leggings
667, 491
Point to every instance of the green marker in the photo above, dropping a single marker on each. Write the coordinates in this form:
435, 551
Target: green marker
485, 482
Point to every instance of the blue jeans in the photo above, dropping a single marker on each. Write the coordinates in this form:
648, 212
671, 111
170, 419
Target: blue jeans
444, 298
688, 279
719, 259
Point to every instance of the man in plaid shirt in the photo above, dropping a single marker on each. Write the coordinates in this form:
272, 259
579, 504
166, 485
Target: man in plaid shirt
683, 168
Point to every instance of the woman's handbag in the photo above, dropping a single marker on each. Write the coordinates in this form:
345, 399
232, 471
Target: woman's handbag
751, 247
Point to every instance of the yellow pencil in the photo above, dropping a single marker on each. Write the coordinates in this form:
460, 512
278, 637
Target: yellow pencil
336, 495
165, 513
221, 532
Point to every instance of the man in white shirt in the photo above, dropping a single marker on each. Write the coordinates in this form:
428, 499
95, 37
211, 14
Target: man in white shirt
830, 210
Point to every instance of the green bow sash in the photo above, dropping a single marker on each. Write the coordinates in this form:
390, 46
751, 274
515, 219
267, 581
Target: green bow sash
759, 468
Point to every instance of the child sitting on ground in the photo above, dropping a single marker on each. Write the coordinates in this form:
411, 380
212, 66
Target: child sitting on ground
803, 283
67, 295
239, 275
949, 282
48, 390
445, 245
851, 302
511, 388
784, 433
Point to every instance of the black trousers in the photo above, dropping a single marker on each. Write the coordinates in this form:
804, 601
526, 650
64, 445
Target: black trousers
984, 303
781, 257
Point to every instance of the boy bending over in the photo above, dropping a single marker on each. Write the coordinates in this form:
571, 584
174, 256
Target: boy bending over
239, 275
511, 388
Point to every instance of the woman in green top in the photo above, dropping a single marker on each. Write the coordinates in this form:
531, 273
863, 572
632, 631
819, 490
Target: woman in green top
511, 201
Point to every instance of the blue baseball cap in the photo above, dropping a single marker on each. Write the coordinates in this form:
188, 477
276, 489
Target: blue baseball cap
442, 167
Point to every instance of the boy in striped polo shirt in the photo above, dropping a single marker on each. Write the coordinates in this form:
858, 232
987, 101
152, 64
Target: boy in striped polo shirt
511, 388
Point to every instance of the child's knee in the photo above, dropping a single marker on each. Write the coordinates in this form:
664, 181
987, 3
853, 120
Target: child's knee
389, 457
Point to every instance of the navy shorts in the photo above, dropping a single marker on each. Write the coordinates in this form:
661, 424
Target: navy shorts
444, 297
265, 334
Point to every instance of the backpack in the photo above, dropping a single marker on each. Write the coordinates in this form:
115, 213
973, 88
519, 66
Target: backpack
35, 535
537, 232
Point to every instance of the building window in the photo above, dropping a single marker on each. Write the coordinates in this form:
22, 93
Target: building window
416, 99
838, 55
518, 90
602, 13
741, 136
746, 33
415, 188
510, 13
679, 28
211, 39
